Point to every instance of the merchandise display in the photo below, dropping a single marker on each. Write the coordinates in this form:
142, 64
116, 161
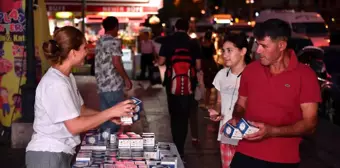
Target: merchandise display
126, 150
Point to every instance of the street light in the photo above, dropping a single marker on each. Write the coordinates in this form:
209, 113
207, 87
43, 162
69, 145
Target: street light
250, 3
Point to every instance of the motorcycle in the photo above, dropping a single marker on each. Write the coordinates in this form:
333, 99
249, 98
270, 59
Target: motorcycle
313, 57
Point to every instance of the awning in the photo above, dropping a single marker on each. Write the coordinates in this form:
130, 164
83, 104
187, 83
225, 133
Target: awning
140, 6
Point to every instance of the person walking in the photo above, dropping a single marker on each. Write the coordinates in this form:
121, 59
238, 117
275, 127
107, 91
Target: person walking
182, 57
109, 70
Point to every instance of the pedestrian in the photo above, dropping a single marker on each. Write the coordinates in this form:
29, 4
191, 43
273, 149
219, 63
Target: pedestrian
148, 55
109, 70
209, 66
280, 97
227, 81
60, 113
182, 57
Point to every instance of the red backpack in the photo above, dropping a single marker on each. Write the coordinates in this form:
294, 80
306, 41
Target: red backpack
181, 74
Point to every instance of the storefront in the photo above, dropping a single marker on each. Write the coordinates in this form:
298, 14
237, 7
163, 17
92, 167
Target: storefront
130, 13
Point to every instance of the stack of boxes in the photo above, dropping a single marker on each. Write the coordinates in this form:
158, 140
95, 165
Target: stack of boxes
128, 150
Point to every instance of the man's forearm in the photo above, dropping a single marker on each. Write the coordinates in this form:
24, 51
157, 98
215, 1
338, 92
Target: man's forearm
120, 69
303, 127
87, 111
239, 111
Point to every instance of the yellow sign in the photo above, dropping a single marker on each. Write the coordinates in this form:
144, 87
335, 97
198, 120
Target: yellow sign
13, 55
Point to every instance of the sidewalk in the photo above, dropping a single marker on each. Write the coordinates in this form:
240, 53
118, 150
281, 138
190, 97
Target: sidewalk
321, 150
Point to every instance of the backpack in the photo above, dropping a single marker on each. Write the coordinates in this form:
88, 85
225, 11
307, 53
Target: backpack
181, 73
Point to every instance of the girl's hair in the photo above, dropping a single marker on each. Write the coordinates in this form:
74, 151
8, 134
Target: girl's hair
240, 41
64, 40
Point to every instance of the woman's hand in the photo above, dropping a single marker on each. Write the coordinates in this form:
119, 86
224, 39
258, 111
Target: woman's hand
125, 108
214, 115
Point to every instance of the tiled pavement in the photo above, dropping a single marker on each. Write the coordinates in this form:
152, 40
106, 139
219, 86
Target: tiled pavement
321, 150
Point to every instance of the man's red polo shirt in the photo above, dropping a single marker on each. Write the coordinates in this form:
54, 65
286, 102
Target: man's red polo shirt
275, 100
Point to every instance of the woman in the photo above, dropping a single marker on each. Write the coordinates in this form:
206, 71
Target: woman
227, 81
209, 65
60, 113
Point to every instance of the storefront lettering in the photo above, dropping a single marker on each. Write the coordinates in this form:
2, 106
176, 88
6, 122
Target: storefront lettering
122, 9
56, 8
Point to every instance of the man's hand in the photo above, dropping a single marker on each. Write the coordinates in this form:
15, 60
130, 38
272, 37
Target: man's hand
264, 131
128, 84
214, 115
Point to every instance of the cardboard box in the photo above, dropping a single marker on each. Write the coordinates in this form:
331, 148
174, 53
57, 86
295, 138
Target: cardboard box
151, 154
232, 132
126, 120
246, 128
92, 139
170, 162
136, 143
106, 134
113, 139
84, 156
148, 140
99, 147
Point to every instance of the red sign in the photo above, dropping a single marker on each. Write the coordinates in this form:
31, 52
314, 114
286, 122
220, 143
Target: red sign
77, 8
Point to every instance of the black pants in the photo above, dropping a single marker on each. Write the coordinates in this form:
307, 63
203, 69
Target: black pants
180, 108
194, 120
146, 61
91, 62
243, 161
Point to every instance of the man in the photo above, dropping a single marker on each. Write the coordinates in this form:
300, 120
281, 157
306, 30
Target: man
178, 50
278, 95
109, 69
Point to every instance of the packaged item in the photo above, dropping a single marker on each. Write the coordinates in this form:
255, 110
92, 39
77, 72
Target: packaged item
170, 162
232, 132
84, 156
136, 113
92, 139
148, 139
246, 128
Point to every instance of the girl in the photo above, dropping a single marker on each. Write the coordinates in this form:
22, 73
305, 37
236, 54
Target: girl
60, 113
227, 81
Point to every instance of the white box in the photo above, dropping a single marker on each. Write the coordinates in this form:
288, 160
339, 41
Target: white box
93, 147
126, 120
151, 155
165, 153
246, 128
84, 156
136, 143
113, 138
124, 143
170, 162
148, 140
232, 132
